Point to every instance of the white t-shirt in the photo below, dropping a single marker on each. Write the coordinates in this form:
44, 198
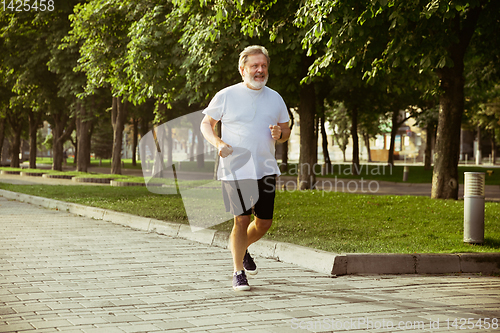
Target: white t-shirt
245, 115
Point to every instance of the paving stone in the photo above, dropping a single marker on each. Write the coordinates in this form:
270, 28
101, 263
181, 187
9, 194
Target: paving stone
15, 327
89, 275
87, 320
175, 324
100, 330
140, 328
51, 323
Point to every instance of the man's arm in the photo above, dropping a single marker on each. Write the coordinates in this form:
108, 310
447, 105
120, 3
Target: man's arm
280, 132
207, 128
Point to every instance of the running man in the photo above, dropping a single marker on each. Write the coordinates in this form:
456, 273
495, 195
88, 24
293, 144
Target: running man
254, 117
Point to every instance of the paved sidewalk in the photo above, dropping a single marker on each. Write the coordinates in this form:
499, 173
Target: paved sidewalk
62, 272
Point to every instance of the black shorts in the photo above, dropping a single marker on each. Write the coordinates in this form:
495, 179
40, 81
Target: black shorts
237, 204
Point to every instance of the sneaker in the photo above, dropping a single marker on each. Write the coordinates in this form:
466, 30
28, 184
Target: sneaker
249, 264
240, 281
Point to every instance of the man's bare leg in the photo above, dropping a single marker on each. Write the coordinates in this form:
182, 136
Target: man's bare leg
239, 240
257, 229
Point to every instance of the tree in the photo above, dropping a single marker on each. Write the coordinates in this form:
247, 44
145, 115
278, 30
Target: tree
370, 127
196, 65
482, 88
484, 115
141, 116
102, 138
428, 36
321, 96
428, 119
23, 54
341, 127
5, 94
361, 101
2, 134
64, 58
101, 30
30, 41
271, 25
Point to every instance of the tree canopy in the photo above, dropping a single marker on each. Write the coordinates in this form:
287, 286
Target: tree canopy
70, 64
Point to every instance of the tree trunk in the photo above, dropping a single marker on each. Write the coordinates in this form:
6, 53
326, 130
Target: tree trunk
57, 145
143, 130
284, 160
428, 146
63, 127
135, 133
479, 151
118, 116
324, 140
200, 149
366, 137
307, 113
83, 125
355, 141
89, 139
493, 147
34, 122
194, 135
58, 154
394, 131
197, 140
2, 136
144, 126
218, 129
445, 175
170, 146
16, 125
451, 108
15, 149
75, 146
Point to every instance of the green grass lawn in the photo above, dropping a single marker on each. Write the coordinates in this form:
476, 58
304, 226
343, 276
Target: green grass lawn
417, 173
337, 222
127, 162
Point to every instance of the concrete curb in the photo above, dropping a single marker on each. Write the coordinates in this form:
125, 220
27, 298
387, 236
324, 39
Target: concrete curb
124, 183
320, 261
48, 176
92, 180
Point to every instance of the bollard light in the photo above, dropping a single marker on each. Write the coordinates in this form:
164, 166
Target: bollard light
474, 207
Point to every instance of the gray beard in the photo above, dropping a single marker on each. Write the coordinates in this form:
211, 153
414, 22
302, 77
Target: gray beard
255, 84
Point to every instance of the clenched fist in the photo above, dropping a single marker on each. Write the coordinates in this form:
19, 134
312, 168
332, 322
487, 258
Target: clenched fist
225, 150
275, 132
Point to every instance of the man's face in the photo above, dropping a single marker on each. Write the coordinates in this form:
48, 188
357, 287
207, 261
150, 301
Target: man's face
255, 71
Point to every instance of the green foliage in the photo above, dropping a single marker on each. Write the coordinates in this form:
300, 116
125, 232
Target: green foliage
100, 28
180, 53
154, 56
381, 34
